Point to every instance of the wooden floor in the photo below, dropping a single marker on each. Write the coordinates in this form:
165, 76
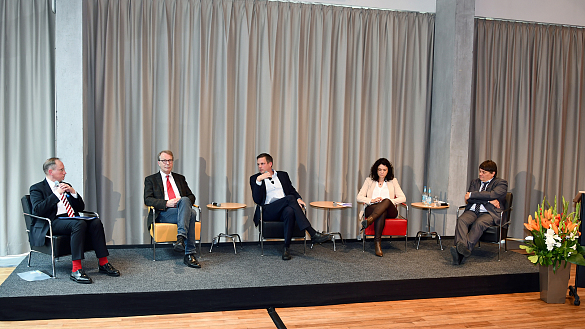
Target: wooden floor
524, 310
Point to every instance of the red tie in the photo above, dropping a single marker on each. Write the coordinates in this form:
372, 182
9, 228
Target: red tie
170, 191
70, 212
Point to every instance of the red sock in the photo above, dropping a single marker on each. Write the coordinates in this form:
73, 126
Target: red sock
76, 265
103, 261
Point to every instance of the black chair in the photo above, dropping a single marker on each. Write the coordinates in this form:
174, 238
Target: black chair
274, 231
497, 233
55, 245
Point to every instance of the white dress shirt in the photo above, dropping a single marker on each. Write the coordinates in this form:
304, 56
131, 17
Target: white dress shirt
60, 206
175, 189
274, 190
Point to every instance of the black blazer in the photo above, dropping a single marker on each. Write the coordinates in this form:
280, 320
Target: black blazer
44, 203
259, 192
495, 190
154, 192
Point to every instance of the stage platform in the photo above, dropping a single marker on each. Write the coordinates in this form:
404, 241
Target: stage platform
247, 280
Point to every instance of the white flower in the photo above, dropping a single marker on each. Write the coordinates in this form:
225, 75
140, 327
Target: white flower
552, 240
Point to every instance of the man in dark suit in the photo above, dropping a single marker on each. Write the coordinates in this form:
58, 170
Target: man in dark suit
281, 202
485, 199
54, 199
172, 200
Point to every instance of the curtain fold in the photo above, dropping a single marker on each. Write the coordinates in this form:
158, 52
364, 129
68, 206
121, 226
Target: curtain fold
325, 89
528, 112
27, 99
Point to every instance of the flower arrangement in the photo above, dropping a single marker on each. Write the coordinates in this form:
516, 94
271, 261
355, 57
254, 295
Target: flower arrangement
555, 236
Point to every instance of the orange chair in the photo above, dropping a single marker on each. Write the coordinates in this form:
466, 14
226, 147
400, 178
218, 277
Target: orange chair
167, 232
394, 226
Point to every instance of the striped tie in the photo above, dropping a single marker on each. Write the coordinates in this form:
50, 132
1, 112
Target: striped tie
66, 203
70, 212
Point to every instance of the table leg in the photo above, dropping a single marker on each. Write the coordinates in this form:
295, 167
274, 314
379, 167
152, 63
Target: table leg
226, 235
428, 232
332, 233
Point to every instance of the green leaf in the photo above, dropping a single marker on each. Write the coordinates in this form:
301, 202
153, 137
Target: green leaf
533, 259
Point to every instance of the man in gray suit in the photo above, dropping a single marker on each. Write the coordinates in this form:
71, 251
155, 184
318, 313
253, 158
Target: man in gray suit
485, 199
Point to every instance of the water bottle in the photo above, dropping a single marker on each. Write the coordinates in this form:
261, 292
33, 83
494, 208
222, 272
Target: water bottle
429, 197
424, 196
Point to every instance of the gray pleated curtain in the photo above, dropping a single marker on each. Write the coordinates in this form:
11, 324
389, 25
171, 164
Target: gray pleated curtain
528, 111
326, 90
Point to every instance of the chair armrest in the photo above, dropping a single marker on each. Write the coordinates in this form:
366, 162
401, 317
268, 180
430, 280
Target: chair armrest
45, 219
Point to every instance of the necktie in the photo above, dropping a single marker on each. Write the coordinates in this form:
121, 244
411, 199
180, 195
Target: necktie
477, 205
170, 191
66, 203
70, 212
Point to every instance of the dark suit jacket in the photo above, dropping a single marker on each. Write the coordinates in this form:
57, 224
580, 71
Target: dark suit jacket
496, 190
259, 192
44, 203
154, 193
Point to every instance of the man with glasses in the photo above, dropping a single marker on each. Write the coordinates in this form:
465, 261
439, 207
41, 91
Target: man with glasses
172, 199
59, 201
485, 199
280, 201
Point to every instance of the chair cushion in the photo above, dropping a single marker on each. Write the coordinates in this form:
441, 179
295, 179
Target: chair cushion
167, 232
491, 234
393, 226
275, 230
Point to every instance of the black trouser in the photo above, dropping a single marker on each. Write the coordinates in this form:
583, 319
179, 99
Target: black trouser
81, 231
286, 210
380, 211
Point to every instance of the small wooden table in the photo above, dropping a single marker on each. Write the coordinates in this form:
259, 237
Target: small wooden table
227, 206
328, 205
421, 205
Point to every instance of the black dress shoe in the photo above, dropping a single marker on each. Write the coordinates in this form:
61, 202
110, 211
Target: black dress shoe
463, 250
456, 256
191, 261
286, 254
79, 276
179, 246
108, 269
320, 237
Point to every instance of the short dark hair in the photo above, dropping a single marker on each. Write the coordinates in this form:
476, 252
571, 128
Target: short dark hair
167, 152
265, 156
489, 165
374, 170
49, 164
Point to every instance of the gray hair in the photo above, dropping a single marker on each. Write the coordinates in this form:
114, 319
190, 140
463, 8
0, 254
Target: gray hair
50, 164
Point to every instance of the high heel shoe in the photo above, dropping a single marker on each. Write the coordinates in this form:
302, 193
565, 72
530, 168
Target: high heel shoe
367, 222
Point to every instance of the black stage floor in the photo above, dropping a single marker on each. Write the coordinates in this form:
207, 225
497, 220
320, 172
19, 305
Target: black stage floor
246, 280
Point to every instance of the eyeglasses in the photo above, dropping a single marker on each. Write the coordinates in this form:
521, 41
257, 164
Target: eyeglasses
166, 161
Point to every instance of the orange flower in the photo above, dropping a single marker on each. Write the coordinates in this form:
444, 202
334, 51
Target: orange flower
555, 228
531, 225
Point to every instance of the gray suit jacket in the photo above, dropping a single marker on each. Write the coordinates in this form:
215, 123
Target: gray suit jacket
496, 190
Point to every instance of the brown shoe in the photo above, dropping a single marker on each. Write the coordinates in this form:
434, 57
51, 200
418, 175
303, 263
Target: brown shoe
367, 222
378, 248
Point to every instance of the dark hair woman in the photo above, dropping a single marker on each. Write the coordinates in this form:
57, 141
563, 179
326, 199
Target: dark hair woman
380, 193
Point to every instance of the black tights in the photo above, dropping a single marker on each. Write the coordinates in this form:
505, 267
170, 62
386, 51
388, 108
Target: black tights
380, 211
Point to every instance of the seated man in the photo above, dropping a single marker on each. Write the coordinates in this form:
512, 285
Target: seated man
281, 202
484, 197
172, 199
54, 199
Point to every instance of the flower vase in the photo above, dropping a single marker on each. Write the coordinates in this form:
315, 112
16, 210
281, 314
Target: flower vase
553, 286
